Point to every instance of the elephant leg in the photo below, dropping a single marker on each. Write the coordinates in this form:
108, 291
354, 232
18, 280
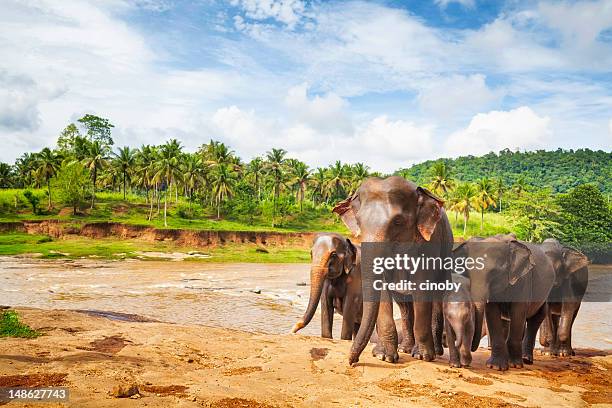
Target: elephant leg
465, 351
553, 350
407, 313
499, 350
424, 347
533, 323
387, 334
545, 330
569, 310
453, 351
516, 332
327, 312
348, 318
437, 327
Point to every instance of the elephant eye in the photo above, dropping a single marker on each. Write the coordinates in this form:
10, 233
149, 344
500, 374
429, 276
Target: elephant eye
333, 255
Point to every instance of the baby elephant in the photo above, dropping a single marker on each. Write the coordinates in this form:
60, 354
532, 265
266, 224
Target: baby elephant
335, 279
459, 322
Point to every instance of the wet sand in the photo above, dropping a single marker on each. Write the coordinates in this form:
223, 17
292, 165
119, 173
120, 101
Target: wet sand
166, 365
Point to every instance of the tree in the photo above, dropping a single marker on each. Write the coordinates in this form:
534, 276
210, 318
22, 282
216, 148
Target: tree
72, 182
6, 175
256, 170
146, 158
68, 139
485, 191
192, 171
442, 180
359, 172
319, 186
463, 202
96, 158
98, 129
223, 185
500, 189
25, 167
168, 169
275, 165
124, 162
535, 214
47, 164
301, 176
33, 199
338, 179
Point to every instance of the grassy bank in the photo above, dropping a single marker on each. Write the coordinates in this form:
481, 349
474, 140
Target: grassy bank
10, 326
74, 247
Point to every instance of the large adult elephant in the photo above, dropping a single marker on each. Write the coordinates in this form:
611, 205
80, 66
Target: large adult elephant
572, 276
513, 284
396, 210
335, 279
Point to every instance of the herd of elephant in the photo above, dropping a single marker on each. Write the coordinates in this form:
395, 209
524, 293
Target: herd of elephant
550, 280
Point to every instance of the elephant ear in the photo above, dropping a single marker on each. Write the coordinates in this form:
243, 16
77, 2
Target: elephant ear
574, 260
350, 259
521, 261
347, 211
429, 212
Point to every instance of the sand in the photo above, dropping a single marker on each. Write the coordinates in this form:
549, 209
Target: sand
163, 365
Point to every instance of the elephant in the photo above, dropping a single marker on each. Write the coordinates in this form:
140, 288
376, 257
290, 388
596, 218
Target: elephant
459, 322
513, 284
335, 279
395, 210
572, 276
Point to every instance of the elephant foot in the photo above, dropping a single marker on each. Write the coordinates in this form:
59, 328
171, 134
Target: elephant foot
439, 350
528, 358
566, 351
405, 347
499, 363
423, 353
466, 361
455, 363
380, 353
515, 362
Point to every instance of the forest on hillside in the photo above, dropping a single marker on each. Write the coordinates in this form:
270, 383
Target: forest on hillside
561, 170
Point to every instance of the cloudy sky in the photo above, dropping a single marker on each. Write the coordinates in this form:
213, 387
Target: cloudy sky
388, 83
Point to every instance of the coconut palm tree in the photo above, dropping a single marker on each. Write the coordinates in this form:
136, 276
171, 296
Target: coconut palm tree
47, 164
24, 169
275, 166
485, 191
500, 189
6, 175
359, 172
255, 169
96, 158
301, 176
442, 180
124, 162
192, 170
319, 185
168, 170
224, 180
338, 179
520, 185
464, 202
146, 159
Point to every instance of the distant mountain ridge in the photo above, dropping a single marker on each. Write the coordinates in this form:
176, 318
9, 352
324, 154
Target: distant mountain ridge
560, 169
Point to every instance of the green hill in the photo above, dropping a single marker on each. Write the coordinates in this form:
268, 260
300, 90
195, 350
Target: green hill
560, 170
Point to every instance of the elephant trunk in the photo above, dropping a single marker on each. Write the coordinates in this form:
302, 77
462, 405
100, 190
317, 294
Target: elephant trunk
317, 278
368, 322
479, 308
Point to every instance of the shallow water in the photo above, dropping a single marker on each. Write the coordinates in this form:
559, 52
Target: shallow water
254, 297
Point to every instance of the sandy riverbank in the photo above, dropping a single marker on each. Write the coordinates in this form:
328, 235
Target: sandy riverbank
190, 366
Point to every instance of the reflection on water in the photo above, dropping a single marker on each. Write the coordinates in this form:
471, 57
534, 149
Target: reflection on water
254, 297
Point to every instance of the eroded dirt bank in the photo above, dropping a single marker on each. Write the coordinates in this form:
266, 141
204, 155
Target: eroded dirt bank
191, 366
185, 237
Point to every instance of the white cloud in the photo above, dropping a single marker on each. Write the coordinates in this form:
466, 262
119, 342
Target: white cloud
465, 3
288, 12
497, 130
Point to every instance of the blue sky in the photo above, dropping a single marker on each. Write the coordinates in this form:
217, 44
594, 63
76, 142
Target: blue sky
388, 83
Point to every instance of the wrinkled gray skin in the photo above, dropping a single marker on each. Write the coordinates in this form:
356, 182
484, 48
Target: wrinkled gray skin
459, 322
396, 210
572, 276
513, 269
335, 279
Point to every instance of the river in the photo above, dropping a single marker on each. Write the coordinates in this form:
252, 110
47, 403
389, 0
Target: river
265, 298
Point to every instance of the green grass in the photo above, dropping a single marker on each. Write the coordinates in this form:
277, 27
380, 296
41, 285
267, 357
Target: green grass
10, 326
16, 243
494, 223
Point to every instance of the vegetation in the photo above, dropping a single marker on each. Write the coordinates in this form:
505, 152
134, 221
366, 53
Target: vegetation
562, 194
10, 326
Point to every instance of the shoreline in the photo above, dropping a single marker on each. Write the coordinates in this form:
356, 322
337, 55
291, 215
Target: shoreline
195, 366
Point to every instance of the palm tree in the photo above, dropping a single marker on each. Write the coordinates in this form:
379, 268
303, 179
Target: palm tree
124, 162
442, 180
485, 191
6, 175
24, 168
301, 176
95, 159
520, 185
145, 171
168, 170
359, 172
256, 169
192, 170
275, 166
463, 202
223, 185
319, 185
500, 188
47, 165
338, 179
